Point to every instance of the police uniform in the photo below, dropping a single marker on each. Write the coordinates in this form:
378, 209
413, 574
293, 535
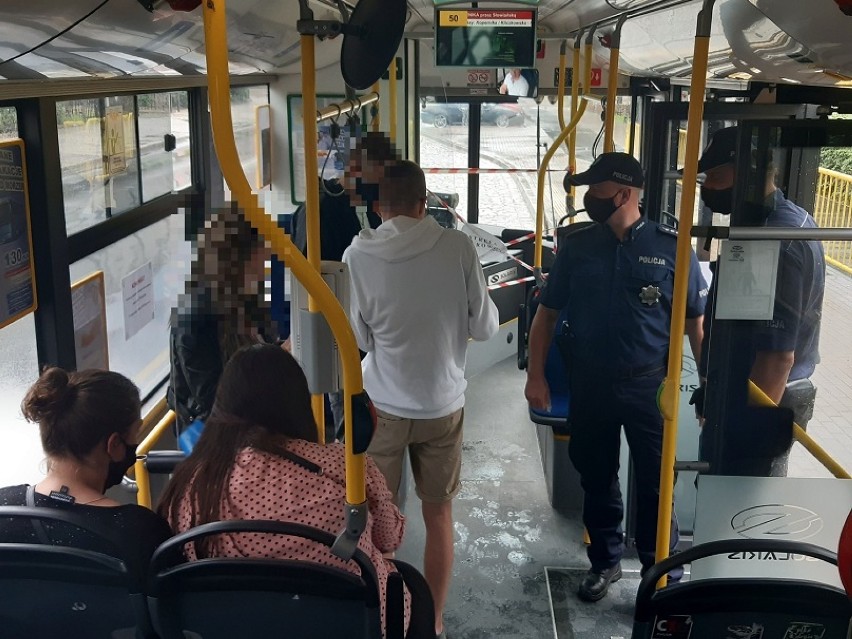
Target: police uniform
617, 301
794, 327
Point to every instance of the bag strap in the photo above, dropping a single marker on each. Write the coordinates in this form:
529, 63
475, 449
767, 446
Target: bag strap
41, 533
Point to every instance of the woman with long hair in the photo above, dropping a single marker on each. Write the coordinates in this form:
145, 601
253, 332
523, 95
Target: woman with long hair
258, 458
222, 310
89, 424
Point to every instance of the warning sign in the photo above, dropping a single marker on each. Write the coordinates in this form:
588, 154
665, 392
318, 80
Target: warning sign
597, 77
478, 77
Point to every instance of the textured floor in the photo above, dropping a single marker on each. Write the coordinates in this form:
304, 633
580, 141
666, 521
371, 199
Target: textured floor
506, 531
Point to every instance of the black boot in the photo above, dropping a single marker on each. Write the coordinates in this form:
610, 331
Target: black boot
596, 584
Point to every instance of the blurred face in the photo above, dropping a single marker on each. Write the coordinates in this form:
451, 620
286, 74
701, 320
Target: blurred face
717, 192
516, 73
255, 270
719, 178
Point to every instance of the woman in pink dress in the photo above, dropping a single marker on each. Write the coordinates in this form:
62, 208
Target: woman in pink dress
258, 458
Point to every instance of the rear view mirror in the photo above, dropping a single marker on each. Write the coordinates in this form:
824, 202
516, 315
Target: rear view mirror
522, 83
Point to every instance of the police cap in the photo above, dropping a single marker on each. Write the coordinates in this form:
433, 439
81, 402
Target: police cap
610, 167
721, 150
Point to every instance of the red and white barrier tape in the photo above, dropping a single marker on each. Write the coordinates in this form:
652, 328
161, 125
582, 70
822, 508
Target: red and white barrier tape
476, 171
512, 283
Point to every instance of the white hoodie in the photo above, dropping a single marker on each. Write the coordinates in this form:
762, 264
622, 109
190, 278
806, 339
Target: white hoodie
417, 294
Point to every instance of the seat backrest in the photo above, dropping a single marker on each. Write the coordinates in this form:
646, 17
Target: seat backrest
746, 608
61, 591
259, 598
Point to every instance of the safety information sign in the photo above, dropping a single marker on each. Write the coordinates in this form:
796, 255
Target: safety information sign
17, 279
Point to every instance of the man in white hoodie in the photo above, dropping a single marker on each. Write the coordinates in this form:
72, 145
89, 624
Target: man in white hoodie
417, 295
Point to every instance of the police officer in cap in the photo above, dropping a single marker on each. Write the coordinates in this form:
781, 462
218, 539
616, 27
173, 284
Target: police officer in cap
783, 352
614, 280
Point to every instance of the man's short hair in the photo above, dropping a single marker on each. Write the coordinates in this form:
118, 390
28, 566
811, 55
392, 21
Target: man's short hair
403, 186
377, 146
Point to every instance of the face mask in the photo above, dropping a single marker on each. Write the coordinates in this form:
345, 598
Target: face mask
368, 191
600, 209
720, 201
118, 469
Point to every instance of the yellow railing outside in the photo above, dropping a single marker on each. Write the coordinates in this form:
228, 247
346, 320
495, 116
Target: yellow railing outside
833, 209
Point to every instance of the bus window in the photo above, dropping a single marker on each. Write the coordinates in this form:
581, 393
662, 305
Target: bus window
244, 103
139, 350
97, 150
443, 145
162, 114
8, 123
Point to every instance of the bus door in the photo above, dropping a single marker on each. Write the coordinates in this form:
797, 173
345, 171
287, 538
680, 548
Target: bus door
662, 156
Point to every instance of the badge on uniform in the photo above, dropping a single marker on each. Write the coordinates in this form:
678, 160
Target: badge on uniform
649, 295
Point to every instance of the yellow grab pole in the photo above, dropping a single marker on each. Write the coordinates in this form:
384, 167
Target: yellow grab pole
612, 86
587, 66
756, 394
670, 396
542, 172
312, 225
376, 120
216, 51
140, 471
576, 79
560, 93
392, 99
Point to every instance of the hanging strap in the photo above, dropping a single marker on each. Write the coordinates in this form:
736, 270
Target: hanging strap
41, 533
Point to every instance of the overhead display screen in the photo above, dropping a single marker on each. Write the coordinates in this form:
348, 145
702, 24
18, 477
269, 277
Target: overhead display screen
485, 38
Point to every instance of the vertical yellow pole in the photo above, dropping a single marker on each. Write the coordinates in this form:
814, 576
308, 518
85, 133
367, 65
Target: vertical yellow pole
216, 52
576, 80
670, 397
560, 93
392, 97
312, 224
612, 87
376, 123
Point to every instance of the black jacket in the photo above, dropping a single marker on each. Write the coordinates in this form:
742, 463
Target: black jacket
338, 223
195, 359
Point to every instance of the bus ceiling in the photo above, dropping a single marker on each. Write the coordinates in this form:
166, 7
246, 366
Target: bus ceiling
769, 41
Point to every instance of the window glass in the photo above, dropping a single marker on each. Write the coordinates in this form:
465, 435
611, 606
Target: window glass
20, 454
8, 123
443, 145
97, 149
138, 342
244, 103
161, 115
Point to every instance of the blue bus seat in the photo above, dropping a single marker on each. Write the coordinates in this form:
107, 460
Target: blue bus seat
264, 598
745, 607
556, 375
62, 591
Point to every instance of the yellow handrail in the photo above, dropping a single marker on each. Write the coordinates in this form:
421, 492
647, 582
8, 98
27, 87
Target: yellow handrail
612, 86
560, 92
216, 51
670, 396
143, 482
545, 162
576, 80
756, 394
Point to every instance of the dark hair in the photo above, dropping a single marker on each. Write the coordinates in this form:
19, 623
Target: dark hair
77, 411
403, 185
225, 245
262, 401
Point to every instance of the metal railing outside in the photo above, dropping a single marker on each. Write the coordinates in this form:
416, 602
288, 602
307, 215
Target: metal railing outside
833, 209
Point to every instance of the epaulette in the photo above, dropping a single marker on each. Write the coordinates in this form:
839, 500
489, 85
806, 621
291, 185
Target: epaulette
571, 230
667, 230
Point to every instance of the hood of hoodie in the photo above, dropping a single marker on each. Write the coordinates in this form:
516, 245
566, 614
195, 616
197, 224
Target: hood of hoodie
399, 239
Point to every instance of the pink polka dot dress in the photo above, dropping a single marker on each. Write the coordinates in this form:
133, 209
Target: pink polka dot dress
266, 486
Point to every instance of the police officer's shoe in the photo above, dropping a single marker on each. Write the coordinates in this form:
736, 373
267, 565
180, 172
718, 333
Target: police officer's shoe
595, 584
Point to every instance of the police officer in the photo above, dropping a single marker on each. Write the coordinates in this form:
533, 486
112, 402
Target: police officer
783, 351
613, 282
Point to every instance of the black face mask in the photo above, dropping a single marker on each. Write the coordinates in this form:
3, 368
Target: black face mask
368, 191
600, 209
118, 469
719, 201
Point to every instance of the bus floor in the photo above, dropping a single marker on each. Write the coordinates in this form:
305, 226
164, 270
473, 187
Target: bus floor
518, 562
